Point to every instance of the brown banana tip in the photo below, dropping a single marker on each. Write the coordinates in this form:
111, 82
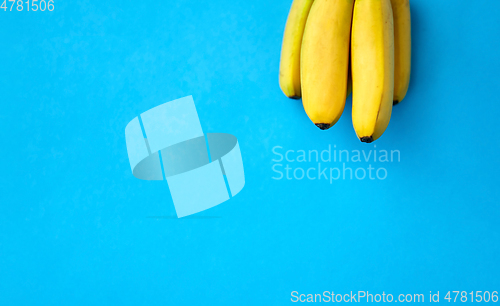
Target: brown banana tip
395, 102
323, 126
366, 139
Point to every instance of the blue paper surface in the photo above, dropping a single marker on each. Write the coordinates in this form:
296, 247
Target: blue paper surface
77, 228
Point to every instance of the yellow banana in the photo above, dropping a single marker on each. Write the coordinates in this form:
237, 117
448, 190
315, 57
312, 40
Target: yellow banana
372, 67
349, 82
324, 60
402, 48
290, 50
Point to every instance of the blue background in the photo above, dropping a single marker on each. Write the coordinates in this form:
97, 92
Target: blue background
77, 228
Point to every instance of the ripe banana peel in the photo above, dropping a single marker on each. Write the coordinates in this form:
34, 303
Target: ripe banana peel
324, 60
402, 48
372, 67
334, 47
290, 50
349, 82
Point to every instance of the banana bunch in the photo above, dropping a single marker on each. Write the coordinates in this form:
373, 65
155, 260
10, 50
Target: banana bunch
331, 47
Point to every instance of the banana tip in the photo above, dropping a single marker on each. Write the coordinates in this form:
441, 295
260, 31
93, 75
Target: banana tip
395, 102
323, 126
366, 139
